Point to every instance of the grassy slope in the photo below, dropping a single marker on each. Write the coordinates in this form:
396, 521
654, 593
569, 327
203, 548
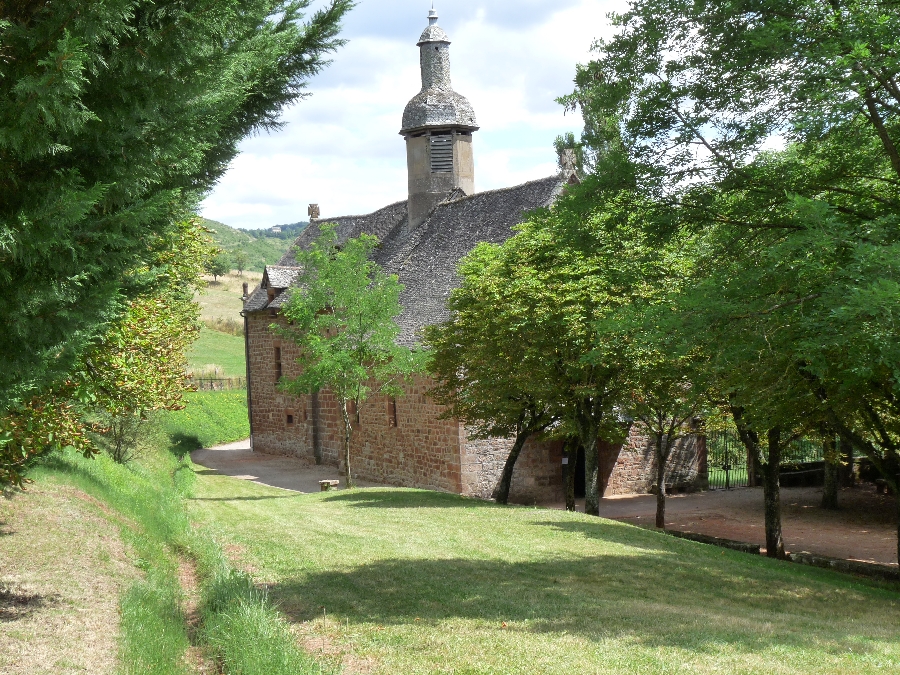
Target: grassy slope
261, 251
92, 537
209, 418
62, 568
218, 350
422, 582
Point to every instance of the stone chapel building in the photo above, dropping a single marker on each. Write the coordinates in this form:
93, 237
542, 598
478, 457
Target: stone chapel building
402, 441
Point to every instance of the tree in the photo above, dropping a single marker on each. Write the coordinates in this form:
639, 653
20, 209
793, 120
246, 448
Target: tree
136, 367
218, 265
117, 117
486, 374
239, 259
795, 250
342, 313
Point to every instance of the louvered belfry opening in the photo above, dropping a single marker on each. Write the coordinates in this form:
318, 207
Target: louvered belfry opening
441, 154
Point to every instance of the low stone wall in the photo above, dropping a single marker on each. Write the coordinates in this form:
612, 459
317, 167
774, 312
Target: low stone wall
630, 467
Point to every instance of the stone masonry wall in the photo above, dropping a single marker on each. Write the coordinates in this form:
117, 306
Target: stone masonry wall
630, 468
420, 451
426, 452
269, 407
537, 477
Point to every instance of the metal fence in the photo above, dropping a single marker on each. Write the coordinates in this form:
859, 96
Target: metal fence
726, 460
219, 383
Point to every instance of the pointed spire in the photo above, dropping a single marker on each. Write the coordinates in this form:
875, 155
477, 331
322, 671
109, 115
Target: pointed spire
432, 16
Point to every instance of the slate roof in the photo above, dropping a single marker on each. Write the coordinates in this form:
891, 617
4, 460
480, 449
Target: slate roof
426, 259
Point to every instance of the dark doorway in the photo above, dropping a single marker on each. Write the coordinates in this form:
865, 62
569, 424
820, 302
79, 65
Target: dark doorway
579, 473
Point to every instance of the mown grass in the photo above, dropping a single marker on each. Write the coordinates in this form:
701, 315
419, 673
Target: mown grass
209, 418
412, 581
217, 350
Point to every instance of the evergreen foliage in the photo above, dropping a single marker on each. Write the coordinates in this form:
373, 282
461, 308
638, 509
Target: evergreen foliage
118, 115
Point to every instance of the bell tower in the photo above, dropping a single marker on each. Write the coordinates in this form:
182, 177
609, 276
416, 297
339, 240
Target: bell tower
437, 125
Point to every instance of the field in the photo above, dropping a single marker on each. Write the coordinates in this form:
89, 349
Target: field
260, 250
221, 299
217, 354
410, 581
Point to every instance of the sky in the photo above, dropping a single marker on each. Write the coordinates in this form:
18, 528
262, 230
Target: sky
340, 147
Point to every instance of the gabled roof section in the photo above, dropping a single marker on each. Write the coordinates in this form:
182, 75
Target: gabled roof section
278, 276
426, 261
380, 223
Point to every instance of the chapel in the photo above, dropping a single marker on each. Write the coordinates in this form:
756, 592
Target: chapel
404, 441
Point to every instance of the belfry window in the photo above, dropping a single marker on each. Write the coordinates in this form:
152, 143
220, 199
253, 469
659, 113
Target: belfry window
441, 154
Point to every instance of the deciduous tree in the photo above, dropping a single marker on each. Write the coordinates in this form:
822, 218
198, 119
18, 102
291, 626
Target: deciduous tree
342, 313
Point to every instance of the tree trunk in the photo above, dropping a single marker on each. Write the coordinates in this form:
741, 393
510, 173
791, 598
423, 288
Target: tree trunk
571, 450
317, 441
348, 430
660, 483
772, 496
832, 473
591, 476
501, 492
751, 469
848, 477
897, 498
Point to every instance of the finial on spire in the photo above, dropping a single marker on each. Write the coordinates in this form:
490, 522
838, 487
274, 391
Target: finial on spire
432, 16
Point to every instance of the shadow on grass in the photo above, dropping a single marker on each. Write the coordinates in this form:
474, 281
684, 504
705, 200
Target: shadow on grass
242, 499
386, 498
657, 599
181, 444
17, 603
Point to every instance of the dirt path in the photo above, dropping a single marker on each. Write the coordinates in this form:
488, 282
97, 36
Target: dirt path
62, 569
290, 473
863, 529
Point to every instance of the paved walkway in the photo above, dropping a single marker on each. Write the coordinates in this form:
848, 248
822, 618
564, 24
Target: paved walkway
291, 473
863, 529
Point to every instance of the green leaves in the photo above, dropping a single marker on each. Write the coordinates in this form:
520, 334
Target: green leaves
118, 116
342, 313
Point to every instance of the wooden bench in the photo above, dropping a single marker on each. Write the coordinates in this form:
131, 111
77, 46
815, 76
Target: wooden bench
325, 485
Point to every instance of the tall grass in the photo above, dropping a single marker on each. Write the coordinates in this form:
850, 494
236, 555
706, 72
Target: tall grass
239, 628
209, 418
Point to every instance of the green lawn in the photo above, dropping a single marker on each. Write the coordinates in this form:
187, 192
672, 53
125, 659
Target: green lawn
218, 350
409, 581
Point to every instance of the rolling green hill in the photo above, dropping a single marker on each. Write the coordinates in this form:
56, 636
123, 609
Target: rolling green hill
261, 247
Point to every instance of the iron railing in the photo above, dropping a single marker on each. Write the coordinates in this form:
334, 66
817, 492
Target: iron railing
727, 463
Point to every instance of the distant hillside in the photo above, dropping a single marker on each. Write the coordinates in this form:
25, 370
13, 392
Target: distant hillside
262, 247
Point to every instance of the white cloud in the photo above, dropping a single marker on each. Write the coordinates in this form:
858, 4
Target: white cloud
340, 147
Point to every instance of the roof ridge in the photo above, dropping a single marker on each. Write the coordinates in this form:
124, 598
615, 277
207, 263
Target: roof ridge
319, 221
504, 189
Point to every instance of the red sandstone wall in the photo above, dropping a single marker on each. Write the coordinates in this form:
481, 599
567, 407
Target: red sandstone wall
421, 451
630, 468
427, 452
268, 406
